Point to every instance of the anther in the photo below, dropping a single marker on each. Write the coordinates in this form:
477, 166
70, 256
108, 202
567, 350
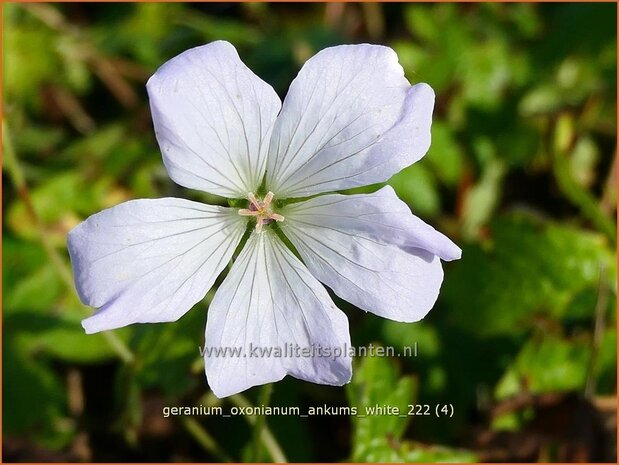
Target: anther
267, 199
246, 212
254, 201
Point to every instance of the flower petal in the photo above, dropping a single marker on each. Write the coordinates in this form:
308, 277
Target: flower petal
271, 302
369, 257
147, 261
381, 216
350, 119
213, 119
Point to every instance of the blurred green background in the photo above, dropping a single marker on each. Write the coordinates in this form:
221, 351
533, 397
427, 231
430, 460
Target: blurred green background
521, 174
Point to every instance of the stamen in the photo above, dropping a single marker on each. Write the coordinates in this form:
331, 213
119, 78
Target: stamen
261, 210
246, 212
254, 201
267, 199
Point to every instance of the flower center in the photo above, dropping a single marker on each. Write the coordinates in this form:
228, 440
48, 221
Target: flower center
261, 210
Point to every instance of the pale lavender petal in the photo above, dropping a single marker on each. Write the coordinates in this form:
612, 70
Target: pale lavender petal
371, 251
381, 216
350, 119
270, 301
213, 119
147, 261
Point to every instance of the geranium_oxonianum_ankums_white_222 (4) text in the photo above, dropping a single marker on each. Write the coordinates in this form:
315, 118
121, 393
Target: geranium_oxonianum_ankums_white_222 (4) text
350, 119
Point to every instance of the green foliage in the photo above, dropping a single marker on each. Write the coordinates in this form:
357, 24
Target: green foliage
378, 437
527, 268
170, 353
376, 384
546, 365
518, 174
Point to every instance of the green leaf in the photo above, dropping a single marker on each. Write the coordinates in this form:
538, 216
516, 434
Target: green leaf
376, 385
528, 267
59, 335
38, 291
405, 335
167, 353
445, 155
606, 363
22, 258
377, 436
28, 46
417, 187
58, 201
583, 161
483, 198
36, 400
547, 364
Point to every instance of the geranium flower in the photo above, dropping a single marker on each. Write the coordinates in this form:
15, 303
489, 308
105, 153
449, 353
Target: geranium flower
350, 119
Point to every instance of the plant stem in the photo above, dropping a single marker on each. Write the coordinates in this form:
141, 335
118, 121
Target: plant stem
265, 398
609, 195
267, 438
598, 332
574, 192
205, 439
580, 197
16, 174
13, 167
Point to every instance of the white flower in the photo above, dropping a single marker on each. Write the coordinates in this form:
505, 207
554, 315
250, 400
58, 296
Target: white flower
350, 119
